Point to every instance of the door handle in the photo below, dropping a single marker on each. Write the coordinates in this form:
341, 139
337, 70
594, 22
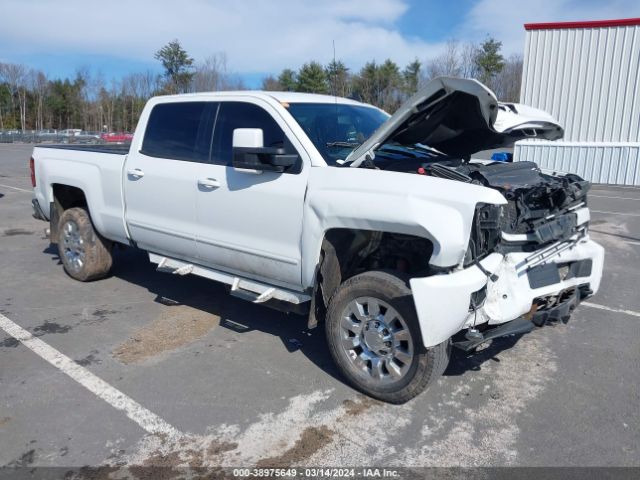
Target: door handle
136, 172
209, 183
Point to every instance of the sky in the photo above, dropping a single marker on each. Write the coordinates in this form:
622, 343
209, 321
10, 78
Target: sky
261, 37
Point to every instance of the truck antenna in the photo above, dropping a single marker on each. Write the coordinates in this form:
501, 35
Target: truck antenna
335, 73
335, 86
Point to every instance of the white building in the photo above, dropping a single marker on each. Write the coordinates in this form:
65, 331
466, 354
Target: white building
587, 75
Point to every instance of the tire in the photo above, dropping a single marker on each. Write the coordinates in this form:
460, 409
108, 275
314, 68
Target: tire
403, 368
84, 253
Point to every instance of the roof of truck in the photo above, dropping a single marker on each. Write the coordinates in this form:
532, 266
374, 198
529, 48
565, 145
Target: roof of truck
298, 97
283, 97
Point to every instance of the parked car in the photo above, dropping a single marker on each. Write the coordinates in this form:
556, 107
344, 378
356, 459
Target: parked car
69, 132
67, 135
87, 137
117, 137
381, 227
47, 134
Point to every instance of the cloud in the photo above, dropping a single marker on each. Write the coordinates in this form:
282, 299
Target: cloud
266, 36
505, 19
256, 35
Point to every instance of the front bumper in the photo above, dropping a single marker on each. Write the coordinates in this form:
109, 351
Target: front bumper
443, 301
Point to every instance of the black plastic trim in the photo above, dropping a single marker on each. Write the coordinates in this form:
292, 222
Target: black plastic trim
543, 275
120, 149
37, 210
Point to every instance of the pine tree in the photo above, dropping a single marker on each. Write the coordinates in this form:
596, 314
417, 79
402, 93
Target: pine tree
178, 66
411, 76
312, 78
489, 60
287, 80
338, 77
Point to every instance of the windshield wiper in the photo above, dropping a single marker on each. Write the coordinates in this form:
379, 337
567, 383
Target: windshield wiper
398, 149
344, 144
415, 150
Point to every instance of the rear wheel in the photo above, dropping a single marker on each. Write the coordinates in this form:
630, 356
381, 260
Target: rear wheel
374, 338
85, 254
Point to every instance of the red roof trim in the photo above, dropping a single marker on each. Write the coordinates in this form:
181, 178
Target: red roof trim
621, 22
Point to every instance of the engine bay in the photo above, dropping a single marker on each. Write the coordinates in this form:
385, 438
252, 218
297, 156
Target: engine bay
540, 206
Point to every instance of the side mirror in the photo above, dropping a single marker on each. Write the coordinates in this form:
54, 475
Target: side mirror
249, 153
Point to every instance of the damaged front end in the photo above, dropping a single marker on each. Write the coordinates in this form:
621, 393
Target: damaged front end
528, 262
549, 264
542, 208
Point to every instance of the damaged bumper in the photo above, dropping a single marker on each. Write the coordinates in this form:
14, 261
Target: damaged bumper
544, 286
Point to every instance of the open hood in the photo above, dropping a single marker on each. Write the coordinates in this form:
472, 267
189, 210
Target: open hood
458, 117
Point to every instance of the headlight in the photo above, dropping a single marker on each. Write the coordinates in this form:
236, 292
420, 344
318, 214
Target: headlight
485, 232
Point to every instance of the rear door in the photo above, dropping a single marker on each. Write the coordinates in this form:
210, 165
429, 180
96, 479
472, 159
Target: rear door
160, 181
251, 223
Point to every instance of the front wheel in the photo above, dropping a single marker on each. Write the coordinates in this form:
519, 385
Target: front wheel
84, 253
374, 337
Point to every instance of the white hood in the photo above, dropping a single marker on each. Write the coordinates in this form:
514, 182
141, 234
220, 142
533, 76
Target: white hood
458, 117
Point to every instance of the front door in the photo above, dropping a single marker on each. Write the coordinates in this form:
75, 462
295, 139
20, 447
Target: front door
249, 223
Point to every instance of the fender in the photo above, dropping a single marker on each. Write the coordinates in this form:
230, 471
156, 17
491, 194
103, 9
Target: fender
437, 209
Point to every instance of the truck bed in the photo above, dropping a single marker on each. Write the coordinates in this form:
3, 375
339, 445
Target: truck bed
116, 149
96, 170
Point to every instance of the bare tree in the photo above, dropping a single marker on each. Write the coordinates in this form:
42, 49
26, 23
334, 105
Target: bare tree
210, 75
468, 66
83, 95
448, 63
270, 83
507, 83
15, 75
38, 84
149, 84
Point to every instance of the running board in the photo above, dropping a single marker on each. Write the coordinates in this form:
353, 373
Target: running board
250, 290
518, 326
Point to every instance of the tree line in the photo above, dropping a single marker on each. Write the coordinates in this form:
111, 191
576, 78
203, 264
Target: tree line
31, 100
387, 85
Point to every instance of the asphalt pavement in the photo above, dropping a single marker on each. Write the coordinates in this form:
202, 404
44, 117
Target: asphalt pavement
172, 371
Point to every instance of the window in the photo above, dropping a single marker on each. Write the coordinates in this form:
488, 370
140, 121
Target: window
180, 131
336, 129
232, 115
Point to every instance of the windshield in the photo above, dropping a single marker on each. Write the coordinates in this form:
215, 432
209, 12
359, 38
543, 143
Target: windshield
336, 129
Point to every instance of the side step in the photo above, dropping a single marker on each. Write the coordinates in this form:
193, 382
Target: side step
515, 327
246, 289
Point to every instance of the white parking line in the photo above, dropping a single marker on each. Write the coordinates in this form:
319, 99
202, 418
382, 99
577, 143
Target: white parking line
617, 213
148, 420
619, 198
16, 188
609, 309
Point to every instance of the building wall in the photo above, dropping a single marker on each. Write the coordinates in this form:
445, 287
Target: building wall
613, 163
589, 79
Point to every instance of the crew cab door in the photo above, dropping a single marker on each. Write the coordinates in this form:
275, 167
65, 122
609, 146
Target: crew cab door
250, 222
161, 177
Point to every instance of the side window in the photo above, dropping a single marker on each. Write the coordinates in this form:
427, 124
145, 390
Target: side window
232, 115
180, 131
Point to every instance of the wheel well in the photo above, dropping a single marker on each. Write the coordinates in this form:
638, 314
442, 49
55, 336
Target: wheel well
347, 252
68, 197
64, 198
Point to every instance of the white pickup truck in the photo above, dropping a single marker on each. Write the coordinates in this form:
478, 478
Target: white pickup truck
382, 227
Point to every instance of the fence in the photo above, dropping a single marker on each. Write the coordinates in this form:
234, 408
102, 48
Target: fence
36, 136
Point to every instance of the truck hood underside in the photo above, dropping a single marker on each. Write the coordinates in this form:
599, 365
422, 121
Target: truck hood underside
458, 117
